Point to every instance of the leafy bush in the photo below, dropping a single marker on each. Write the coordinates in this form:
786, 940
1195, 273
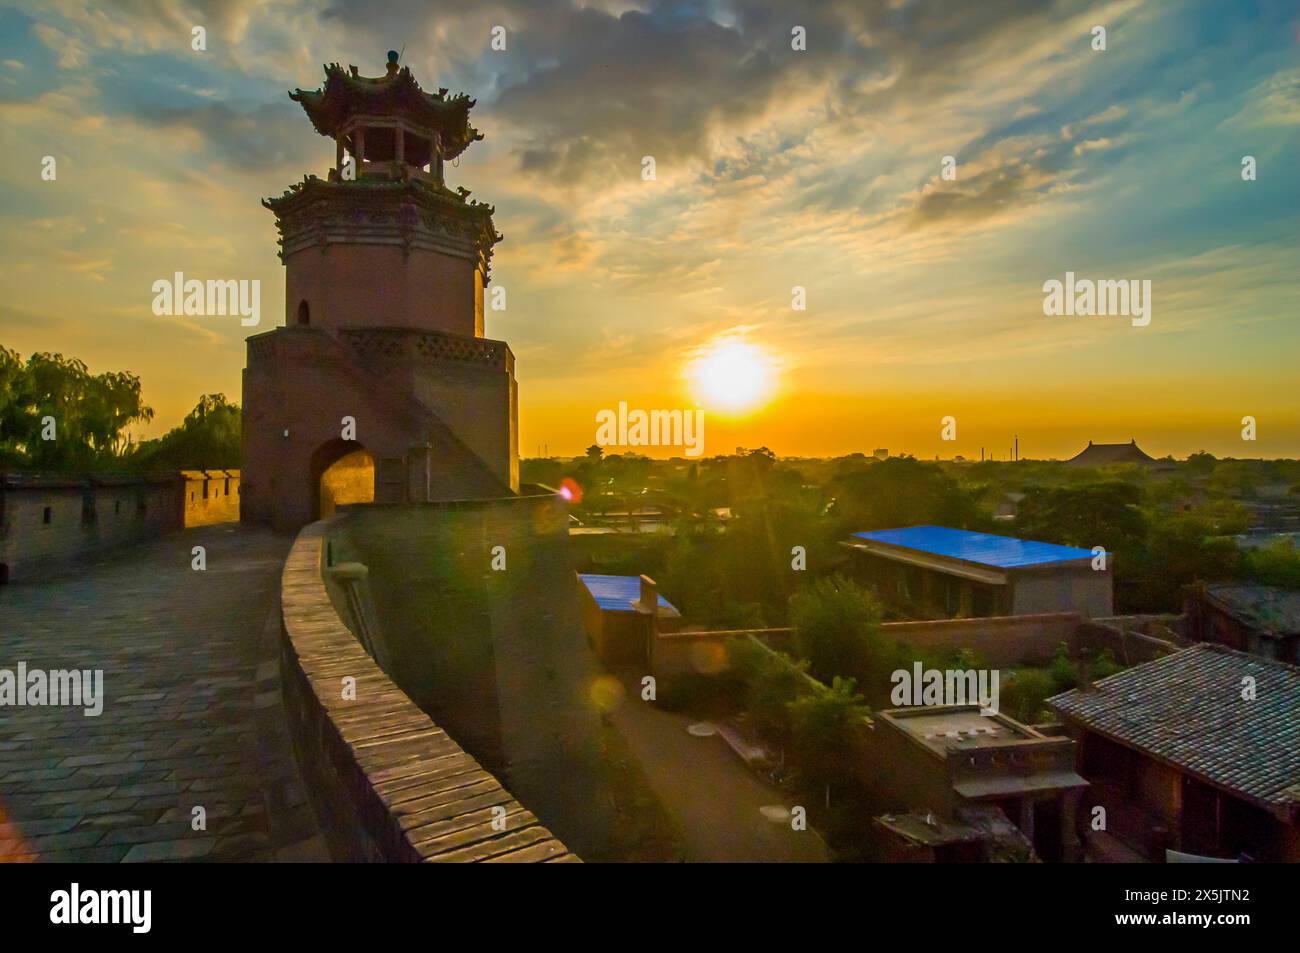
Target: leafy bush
1275, 564
772, 681
964, 659
1024, 691
1063, 669
837, 628
823, 724
207, 438
1103, 666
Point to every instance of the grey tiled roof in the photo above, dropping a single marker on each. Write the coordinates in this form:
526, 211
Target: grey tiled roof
1187, 709
1266, 609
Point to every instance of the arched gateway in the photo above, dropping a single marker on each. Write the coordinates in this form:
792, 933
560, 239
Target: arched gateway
344, 472
382, 344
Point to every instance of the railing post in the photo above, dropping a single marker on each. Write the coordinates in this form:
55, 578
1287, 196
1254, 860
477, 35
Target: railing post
648, 607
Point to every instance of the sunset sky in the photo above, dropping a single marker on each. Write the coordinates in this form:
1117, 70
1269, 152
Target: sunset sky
775, 168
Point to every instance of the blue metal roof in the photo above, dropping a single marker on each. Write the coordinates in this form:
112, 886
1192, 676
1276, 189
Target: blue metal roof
617, 593
985, 549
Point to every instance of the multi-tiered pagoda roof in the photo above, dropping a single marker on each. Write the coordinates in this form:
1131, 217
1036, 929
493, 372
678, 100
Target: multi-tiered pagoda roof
386, 196
347, 94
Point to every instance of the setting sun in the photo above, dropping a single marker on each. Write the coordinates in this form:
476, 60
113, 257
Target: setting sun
733, 376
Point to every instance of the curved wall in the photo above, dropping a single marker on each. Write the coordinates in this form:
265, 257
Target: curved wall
386, 782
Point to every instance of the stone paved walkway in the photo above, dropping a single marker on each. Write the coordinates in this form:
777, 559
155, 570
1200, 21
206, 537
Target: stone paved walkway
192, 713
715, 798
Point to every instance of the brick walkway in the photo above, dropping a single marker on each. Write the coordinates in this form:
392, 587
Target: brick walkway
192, 713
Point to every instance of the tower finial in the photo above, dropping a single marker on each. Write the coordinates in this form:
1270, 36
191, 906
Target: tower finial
393, 57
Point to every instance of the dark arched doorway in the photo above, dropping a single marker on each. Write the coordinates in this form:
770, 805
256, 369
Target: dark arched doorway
343, 471
304, 312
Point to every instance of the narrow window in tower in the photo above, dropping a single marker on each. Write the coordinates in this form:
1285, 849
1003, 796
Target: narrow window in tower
304, 313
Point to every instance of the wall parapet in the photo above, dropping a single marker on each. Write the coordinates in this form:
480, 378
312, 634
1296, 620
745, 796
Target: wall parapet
999, 640
51, 521
387, 783
389, 344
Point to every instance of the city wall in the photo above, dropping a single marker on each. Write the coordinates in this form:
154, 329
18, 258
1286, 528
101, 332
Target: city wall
49, 522
387, 783
998, 641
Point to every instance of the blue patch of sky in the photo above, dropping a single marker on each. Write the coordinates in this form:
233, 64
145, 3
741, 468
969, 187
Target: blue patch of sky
19, 43
152, 83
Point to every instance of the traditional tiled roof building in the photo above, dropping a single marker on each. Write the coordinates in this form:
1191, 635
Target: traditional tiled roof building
1198, 752
1264, 620
1109, 454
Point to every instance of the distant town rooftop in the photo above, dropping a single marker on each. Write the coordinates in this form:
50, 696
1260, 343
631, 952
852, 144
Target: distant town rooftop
618, 593
981, 549
1187, 710
990, 755
1266, 609
957, 727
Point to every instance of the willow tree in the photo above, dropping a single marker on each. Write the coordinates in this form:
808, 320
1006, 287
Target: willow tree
56, 415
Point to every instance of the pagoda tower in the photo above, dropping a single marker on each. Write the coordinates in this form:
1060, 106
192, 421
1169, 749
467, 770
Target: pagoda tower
382, 347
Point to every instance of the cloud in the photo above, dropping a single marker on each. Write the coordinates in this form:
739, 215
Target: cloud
988, 194
1274, 102
775, 167
268, 135
150, 25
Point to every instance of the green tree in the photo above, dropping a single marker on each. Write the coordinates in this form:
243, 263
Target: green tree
836, 627
87, 414
1233, 478
824, 726
1275, 564
1180, 550
208, 438
1105, 514
1200, 464
902, 491
11, 372
772, 680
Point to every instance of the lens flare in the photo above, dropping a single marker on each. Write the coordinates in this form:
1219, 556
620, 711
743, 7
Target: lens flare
570, 491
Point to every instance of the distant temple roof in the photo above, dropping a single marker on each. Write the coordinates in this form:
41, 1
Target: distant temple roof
347, 94
983, 549
1106, 454
1186, 710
